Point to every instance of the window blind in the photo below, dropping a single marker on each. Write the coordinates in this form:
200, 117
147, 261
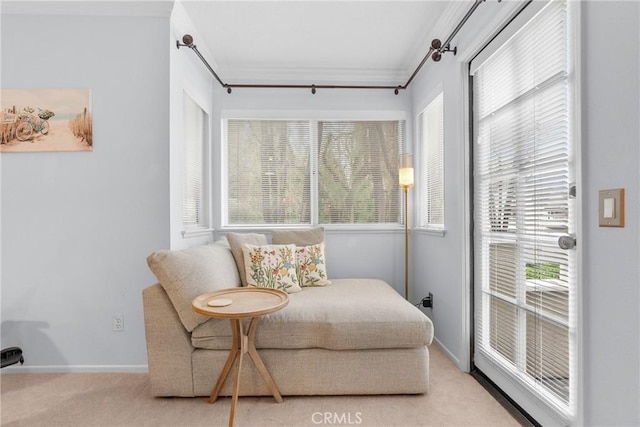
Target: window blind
312, 171
358, 171
196, 135
268, 172
431, 137
525, 309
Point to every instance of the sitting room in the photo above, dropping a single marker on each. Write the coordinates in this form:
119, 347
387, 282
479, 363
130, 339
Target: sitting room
302, 213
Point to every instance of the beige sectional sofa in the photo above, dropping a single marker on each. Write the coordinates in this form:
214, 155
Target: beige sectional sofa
354, 336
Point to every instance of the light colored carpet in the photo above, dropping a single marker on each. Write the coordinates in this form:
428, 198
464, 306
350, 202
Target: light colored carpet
455, 399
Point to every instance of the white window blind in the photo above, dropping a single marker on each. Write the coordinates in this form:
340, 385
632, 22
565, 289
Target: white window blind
312, 171
525, 310
195, 194
431, 137
358, 171
268, 172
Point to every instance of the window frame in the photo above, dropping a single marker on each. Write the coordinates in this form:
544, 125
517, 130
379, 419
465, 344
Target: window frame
313, 116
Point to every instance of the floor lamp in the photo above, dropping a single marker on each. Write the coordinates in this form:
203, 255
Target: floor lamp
405, 177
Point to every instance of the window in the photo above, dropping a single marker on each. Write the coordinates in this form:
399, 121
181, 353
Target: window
268, 175
312, 171
358, 171
431, 139
195, 212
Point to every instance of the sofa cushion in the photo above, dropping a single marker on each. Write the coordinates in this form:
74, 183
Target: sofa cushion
185, 274
236, 241
298, 236
271, 266
310, 265
349, 314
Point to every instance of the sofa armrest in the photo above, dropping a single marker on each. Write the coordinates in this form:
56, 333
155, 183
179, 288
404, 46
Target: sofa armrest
169, 349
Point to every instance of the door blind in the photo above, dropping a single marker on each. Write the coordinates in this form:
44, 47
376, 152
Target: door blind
525, 284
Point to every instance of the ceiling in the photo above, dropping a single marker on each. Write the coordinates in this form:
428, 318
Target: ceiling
319, 42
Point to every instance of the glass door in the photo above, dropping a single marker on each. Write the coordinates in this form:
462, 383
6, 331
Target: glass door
524, 213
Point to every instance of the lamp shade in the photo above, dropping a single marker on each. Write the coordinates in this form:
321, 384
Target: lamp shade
405, 174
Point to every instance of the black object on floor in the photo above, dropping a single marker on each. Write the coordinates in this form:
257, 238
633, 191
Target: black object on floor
11, 356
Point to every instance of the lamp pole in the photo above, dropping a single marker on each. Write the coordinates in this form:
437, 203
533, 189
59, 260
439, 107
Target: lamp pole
405, 179
406, 242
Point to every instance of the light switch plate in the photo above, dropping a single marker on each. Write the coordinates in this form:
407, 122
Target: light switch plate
611, 207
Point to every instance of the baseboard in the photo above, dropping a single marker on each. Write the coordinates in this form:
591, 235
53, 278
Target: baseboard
77, 369
447, 353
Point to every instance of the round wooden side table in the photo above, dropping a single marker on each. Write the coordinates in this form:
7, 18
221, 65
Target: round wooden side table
237, 304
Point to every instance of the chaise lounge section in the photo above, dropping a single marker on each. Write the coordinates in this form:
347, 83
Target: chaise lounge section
354, 336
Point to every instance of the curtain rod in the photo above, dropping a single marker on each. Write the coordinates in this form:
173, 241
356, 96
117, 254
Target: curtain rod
435, 52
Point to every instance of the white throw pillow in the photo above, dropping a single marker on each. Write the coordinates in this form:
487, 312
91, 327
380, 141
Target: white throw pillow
271, 266
311, 267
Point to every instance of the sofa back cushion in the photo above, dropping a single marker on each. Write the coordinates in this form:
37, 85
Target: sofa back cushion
185, 274
298, 236
236, 242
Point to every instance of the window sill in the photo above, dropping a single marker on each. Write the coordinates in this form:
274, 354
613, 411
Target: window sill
328, 228
197, 232
431, 232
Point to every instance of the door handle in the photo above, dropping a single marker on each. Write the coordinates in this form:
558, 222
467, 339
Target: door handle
567, 242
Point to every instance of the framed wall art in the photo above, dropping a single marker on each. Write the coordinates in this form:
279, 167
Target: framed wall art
45, 120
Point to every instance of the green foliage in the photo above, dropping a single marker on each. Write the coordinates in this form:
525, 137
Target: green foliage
543, 271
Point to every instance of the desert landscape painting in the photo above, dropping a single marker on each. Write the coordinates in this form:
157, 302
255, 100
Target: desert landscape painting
45, 120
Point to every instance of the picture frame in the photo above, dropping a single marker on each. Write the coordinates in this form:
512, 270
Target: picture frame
33, 120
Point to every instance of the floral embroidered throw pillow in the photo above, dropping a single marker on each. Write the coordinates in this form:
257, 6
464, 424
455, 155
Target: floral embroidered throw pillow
311, 267
271, 266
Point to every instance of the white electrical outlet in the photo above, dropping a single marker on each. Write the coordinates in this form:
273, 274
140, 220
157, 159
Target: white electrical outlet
118, 322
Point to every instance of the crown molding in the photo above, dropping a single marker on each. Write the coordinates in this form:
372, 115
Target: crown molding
273, 75
148, 8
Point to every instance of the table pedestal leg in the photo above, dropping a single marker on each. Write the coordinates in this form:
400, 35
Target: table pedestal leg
243, 343
236, 386
233, 355
253, 353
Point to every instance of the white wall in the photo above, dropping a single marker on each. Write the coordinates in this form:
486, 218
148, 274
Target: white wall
610, 159
438, 261
377, 254
188, 76
611, 149
77, 227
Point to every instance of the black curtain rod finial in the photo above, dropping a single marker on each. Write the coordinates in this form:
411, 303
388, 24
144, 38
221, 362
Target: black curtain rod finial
187, 41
